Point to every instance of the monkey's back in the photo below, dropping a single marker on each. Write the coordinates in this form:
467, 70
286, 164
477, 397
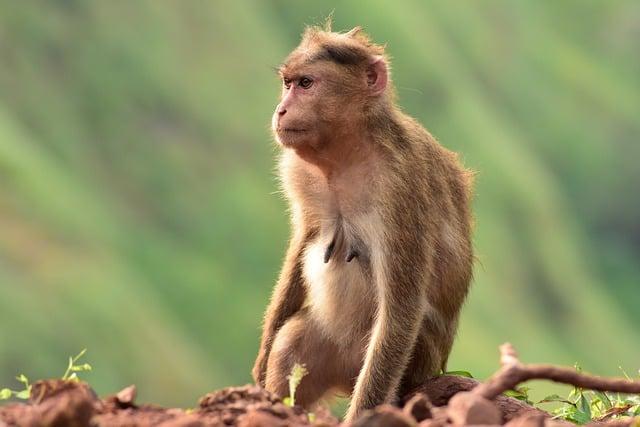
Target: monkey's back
433, 194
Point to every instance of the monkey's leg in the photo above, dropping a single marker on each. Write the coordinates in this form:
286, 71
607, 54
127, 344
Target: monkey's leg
396, 329
287, 298
427, 358
300, 341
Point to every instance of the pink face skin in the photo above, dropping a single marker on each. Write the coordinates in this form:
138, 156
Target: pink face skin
319, 100
294, 120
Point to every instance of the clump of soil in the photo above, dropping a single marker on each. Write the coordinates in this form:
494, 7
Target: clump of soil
74, 404
445, 401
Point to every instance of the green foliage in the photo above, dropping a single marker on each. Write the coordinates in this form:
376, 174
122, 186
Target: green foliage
466, 374
24, 394
520, 393
297, 373
584, 406
71, 374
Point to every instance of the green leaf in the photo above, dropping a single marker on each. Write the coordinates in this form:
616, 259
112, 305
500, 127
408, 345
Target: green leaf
23, 379
579, 417
625, 373
604, 399
553, 398
466, 374
24, 394
287, 401
5, 394
81, 368
515, 394
79, 355
584, 407
297, 373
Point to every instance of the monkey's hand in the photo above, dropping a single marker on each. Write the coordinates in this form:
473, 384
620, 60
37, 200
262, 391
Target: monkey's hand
259, 371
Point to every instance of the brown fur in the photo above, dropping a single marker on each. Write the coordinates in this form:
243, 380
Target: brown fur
362, 178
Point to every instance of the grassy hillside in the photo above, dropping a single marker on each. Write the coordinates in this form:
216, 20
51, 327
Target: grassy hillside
138, 213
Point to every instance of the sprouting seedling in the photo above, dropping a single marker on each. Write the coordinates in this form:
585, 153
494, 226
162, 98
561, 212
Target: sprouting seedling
71, 374
7, 393
297, 373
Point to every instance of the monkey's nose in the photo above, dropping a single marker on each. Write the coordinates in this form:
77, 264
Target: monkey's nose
281, 111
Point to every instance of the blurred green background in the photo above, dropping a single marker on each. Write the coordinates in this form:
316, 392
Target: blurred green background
138, 209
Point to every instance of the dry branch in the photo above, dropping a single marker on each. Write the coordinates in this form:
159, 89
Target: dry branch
513, 372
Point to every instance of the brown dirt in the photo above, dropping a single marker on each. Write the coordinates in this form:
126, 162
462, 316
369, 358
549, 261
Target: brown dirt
445, 401
74, 404
69, 403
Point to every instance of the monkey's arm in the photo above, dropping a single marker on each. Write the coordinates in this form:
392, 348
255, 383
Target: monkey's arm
401, 291
287, 298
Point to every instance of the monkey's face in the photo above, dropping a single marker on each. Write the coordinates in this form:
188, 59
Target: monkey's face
328, 84
315, 103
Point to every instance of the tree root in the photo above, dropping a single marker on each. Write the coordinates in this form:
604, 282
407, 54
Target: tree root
464, 400
513, 372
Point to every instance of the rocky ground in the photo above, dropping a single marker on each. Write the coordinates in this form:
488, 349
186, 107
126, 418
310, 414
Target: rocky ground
446, 401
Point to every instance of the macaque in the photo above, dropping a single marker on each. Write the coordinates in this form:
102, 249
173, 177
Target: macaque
380, 257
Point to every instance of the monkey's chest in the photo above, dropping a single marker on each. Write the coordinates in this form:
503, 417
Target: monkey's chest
341, 293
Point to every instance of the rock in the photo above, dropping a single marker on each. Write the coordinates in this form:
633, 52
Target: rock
126, 396
418, 407
384, 416
467, 408
257, 418
549, 422
61, 403
534, 420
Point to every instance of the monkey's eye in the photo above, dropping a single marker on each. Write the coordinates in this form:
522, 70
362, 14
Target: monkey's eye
286, 83
305, 82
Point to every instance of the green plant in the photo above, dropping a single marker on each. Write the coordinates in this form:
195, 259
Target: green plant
7, 393
465, 374
297, 373
584, 406
71, 374
520, 393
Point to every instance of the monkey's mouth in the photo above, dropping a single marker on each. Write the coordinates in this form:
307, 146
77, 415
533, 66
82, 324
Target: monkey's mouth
291, 130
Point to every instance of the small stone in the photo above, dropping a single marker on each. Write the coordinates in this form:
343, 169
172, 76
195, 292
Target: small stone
466, 408
419, 407
550, 422
535, 420
61, 403
127, 395
184, 421
260, 419
384, 416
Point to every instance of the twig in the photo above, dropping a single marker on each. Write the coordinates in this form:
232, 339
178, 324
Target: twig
513, 372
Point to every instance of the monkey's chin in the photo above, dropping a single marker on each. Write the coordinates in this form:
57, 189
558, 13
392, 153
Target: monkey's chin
292, 138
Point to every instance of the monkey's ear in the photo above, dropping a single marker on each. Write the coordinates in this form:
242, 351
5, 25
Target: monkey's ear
377, 75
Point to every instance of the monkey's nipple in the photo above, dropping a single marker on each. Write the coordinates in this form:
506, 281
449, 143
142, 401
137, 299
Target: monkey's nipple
329, 251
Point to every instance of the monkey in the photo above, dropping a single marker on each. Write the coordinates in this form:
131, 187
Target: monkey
380, 256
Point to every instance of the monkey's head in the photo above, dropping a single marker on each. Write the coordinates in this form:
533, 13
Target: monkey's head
330, 83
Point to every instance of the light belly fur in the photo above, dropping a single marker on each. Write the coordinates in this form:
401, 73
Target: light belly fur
341, 295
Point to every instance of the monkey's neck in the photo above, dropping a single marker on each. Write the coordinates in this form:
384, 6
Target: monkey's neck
338, 154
